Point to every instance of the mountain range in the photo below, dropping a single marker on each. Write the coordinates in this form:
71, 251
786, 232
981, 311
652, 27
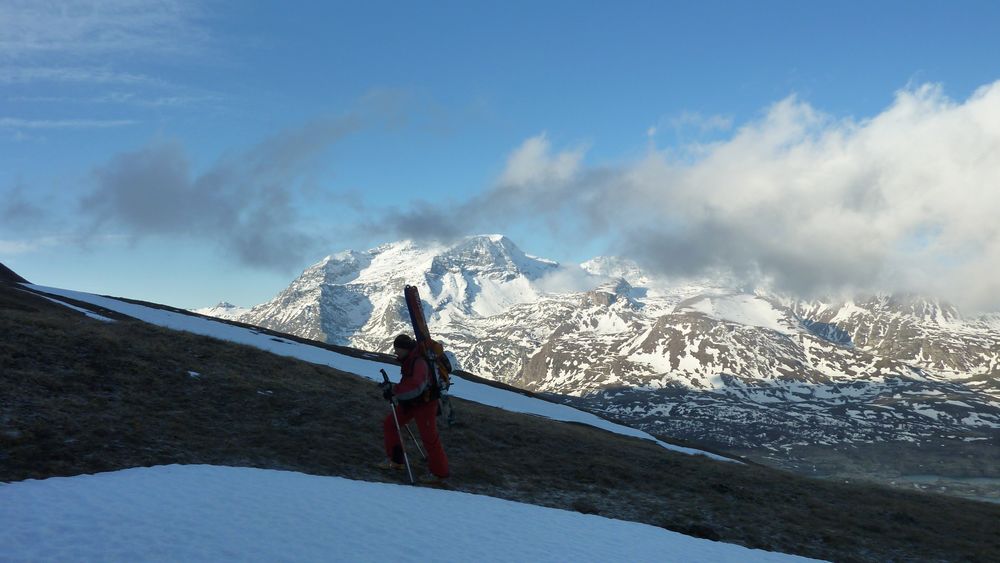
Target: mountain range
705, 360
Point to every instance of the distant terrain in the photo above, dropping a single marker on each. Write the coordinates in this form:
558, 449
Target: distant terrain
908, 380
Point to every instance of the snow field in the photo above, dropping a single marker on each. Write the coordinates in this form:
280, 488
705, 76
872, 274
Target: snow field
210, 513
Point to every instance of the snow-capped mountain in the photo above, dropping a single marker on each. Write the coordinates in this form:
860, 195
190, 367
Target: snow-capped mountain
698, 359
224, 310
355, 297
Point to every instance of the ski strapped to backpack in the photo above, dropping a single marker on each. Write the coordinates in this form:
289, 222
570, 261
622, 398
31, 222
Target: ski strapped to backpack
432, 351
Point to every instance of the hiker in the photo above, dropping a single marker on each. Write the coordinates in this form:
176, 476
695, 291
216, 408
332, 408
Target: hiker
416, 400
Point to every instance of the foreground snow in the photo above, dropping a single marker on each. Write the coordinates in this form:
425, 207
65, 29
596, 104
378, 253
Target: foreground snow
208, 513
484, 394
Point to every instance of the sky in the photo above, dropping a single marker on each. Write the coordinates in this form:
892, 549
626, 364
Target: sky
188, 152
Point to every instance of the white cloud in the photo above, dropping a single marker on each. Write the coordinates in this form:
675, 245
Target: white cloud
85, 28
702, 123
13, 247
907, 200
132, 99
533, 163
568, 278
91, 75
18, 123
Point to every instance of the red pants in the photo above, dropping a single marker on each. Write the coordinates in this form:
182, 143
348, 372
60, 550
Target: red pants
426, 416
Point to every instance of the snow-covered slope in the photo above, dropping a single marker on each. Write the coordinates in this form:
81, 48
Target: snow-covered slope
208, 513
675, 356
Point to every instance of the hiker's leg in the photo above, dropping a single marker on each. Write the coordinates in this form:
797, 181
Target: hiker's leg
426, 416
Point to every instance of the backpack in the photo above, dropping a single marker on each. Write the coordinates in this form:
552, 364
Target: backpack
438, 364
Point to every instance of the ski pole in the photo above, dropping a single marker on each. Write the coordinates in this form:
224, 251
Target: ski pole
415, 442
392, 407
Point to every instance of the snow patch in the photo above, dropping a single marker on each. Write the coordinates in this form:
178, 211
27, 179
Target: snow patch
90, 314
208, 513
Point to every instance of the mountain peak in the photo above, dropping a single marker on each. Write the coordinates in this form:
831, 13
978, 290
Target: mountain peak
223, 310
609, 293
618, 286
492, 255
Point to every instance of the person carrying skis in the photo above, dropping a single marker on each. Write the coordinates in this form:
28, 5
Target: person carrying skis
415, 401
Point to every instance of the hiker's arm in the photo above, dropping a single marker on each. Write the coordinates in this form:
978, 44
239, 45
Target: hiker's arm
414, 386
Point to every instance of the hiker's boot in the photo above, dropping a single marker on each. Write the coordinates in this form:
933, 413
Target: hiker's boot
432, 480
390, 466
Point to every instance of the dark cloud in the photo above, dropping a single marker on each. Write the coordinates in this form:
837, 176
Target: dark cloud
19, 212
535, 187
245, 203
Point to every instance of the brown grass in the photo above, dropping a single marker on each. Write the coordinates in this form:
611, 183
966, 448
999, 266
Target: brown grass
81, 396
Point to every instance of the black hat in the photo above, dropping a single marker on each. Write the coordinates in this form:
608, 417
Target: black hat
404, 341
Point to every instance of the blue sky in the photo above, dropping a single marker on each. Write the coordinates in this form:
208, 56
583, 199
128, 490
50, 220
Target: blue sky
187, 152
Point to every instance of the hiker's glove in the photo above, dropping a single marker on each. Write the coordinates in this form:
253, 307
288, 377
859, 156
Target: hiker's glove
386, 390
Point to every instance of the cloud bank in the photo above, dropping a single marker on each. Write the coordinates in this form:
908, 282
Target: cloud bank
907, 200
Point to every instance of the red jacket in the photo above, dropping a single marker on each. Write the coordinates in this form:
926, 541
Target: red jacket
414, 381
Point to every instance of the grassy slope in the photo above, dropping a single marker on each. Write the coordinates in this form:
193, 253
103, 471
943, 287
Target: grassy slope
81, 396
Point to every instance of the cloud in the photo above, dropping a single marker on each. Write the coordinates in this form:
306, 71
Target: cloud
701, 123
246, 203
568, 278
906, 200
85, 28
121, 98
18, 123
15, 247
530, 186
88, 75
31, 245
690, 128
902, 201
533, 164
17, 212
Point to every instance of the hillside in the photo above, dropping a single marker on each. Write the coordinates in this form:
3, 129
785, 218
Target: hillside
9, 276
83, 395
